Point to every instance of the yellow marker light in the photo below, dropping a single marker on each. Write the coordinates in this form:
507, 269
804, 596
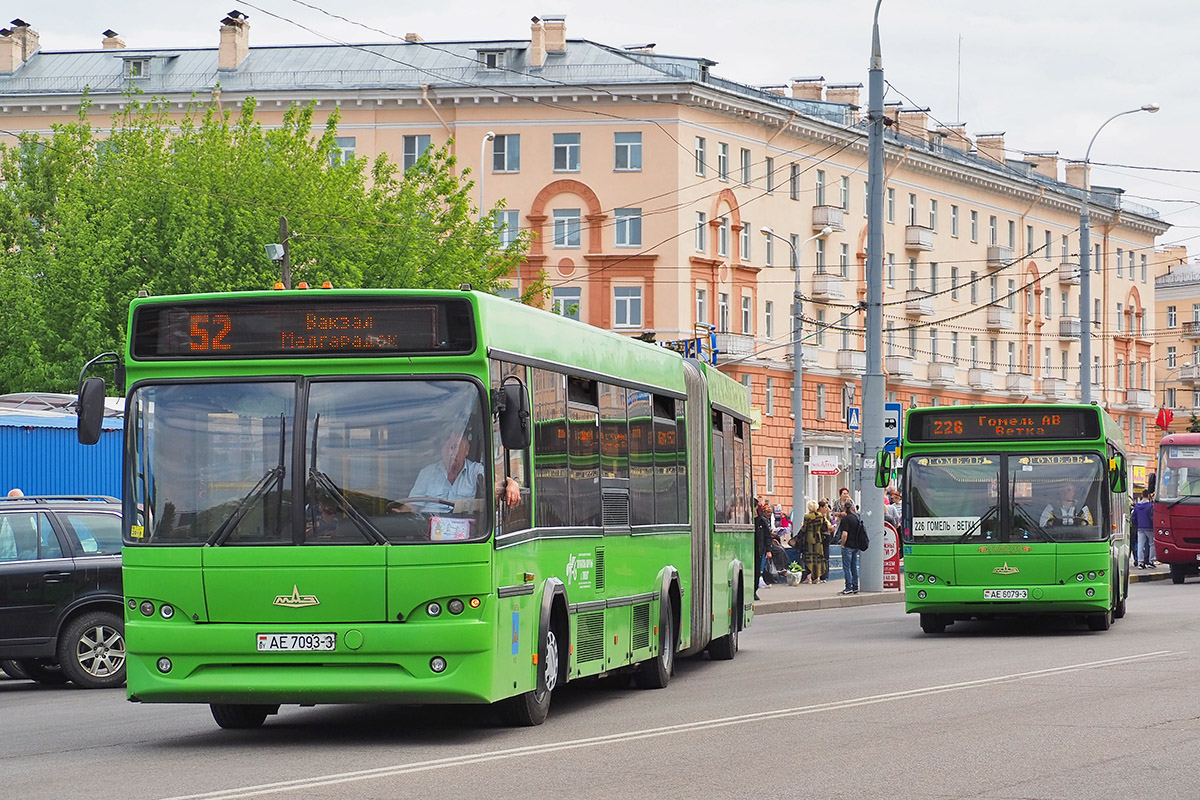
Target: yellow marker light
474, 602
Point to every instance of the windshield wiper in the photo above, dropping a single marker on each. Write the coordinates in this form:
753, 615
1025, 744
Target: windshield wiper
270, 479
978, 524
1031, 524
320, 480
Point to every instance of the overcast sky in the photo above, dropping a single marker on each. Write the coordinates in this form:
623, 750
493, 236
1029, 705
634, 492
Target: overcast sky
1046, 72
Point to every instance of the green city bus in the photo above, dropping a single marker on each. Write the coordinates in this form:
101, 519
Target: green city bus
1013, 510
321, 502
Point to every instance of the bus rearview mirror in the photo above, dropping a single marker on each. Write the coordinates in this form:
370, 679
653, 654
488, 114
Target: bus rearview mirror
90, 410
513, 407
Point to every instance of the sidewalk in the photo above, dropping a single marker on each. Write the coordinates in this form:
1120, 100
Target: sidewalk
778, 598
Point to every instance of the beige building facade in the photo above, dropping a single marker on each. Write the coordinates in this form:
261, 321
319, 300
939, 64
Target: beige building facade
667, 200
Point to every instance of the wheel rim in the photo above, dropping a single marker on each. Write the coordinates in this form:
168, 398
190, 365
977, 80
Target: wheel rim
101, 651
551, 660
668, 648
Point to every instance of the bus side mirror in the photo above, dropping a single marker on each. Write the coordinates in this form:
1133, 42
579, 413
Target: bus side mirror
512, 408
90, 410
883, 469
1117, 472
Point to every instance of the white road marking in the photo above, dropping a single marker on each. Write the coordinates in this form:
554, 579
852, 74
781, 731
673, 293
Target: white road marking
649, 733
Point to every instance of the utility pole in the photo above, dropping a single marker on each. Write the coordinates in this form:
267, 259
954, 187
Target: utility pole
871, 499
286, 267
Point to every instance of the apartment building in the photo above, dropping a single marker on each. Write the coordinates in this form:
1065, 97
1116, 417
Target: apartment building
1177, 301
667, 200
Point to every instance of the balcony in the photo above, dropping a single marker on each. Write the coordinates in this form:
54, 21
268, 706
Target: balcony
852, 362
942, 372
1191, 330
981, 378
998, 257
1054, 387
918, 302
828, 216
1069, 327
1068, 274
898, 366
999, 318
1018, 384
1139, 398
918, 237
828, 286
1189, 373
734, 345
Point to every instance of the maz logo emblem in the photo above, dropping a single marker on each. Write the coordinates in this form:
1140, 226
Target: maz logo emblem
296, 600
1005, 570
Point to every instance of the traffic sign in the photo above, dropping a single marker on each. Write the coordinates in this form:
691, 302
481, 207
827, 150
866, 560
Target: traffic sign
853, 419
893, 422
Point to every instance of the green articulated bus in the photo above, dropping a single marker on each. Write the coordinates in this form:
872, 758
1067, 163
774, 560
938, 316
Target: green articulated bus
1013, 510
336, 496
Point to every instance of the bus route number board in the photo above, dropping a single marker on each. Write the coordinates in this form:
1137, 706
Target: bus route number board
296, 642
1005, 594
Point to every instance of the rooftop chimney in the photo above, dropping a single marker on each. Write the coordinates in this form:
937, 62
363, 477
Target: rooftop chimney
112, 41
843, 93
891, 111
1171, 254
991, 146
778, 89
413, 37
645, 47
811, 88
1044, 163
537, 43
556, 33
26, 37
1076, 174
914, 122
10, 52
235, 41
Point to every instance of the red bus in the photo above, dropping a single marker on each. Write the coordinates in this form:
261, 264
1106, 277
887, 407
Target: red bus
1177, 505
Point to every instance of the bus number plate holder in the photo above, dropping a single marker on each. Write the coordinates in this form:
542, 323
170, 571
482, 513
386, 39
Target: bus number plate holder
296, 642
1005, 594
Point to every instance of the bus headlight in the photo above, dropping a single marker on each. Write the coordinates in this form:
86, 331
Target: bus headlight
433, 610
437, 664
167, 611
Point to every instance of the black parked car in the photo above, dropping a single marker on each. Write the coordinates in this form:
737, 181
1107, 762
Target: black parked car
61, 613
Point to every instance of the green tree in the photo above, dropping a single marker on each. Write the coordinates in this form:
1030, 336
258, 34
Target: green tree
177, 206
1194, 424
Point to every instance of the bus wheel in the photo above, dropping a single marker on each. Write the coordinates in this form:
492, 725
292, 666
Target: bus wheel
1177, 573
241, 716
1100, 621
933, 623
1119, 606
530, 708
656, 673
725, 648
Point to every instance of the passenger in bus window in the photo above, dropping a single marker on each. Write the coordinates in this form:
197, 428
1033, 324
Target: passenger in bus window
1067, 508
453, 479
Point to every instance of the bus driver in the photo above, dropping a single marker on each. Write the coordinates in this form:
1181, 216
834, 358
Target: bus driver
1066, 509
453, 478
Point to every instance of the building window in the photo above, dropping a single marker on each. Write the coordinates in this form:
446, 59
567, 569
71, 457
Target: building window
891, 270
1171, 357
1011, 294
746, 235
1121, 263
844, 260
1120, 317
769, 251
794, 182
912, 274
723, 312
628, 152
819, 198
566, 152
723, 161
566, 301
933, 277
933, 344
846, 193
745, 166
1066, 304
821, 326
769, 478
820, 244
891, 204
889, 338
1012, 356
492, 59
1172, 317
821, 391
1066, 248
566, 227
1012, 235
628, 227
1143, 271
974, 288
794, 251
137, 68
974, 226
933, 222
627, 306
701, 231
701, 307
974, 352
414, 148
1049, 304
954, 221
912, 209
343, 150
769, 319
723, 236
954, 283
508, 225
954, 347
770, 397
506, 152
701, 156
1047, 363
747, 316
770, 174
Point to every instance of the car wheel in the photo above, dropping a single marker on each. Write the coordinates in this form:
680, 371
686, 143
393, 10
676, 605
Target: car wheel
91, 650
43, 671
13, 670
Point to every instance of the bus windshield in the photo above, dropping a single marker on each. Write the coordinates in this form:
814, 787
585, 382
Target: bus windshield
1045, 498
1179, 473
379, 461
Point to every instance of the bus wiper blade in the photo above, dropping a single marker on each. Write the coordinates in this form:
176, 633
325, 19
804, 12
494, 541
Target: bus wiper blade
979, 524
273, 477
1033, 525
326, 483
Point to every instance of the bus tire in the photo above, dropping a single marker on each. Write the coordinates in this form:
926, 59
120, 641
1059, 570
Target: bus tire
656, 673
933, 623
241, 716
1119, 606
1177, 573
726, 647
91, 650
531, 708
1100, 621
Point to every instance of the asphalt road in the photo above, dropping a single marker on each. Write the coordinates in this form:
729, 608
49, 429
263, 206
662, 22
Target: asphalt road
850, 702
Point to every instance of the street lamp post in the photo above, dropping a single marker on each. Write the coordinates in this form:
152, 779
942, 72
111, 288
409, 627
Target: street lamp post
798, 471
1085, 257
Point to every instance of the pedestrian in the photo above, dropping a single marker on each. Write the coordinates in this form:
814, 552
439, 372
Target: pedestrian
839, 505
1143, 517
815, 530
826, 511
762, 543
15, 493
853, 536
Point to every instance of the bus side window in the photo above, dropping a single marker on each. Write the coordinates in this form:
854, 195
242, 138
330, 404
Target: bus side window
511, 463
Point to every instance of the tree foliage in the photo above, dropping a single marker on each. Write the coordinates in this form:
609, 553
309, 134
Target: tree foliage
171, 206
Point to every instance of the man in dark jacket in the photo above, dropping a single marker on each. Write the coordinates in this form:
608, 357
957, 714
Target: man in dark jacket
762, 542
851, 533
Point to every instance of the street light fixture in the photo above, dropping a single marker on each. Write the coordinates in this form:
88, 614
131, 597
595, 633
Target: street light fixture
1085, 256
798, 472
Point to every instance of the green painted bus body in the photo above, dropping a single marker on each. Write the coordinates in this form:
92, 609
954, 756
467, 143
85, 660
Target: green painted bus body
948, 579
377, 599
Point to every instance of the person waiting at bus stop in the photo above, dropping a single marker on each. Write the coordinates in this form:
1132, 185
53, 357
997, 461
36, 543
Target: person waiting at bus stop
1143, 519
1066, 508
852, 534
453, 478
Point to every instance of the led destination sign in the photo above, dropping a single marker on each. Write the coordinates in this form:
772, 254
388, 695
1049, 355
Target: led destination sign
965, 425
338, 327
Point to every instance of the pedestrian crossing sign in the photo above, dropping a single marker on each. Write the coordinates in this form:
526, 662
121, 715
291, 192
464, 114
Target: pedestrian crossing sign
853, 419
